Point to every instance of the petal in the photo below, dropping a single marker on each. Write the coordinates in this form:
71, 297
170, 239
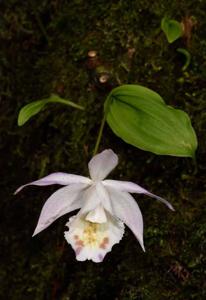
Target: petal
93, 241
130, 187
127, 210
57, 178
102, 164
60, 203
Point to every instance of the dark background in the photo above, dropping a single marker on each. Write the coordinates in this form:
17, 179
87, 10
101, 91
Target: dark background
43, 49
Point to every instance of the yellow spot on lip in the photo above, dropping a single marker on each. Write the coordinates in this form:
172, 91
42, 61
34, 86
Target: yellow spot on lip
90, 234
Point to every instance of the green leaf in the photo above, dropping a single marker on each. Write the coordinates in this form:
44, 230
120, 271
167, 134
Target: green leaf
141, 118
172, 29
187, 57
35, 107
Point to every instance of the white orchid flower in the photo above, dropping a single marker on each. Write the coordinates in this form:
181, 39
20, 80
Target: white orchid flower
105, 206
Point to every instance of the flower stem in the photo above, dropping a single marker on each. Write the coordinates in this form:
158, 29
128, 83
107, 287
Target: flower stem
99, 135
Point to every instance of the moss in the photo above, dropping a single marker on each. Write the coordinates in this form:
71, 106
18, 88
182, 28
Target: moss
63, 139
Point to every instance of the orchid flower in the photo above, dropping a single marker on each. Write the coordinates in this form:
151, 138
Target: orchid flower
105, 206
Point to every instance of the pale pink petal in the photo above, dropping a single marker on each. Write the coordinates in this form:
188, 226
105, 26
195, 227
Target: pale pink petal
127, 210
102, 164
57, 178
60, 203
93, 241
130, 187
